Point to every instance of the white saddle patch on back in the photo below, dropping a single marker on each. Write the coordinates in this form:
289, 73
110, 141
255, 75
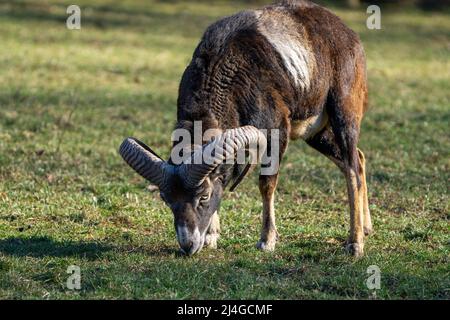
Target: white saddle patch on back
283, 33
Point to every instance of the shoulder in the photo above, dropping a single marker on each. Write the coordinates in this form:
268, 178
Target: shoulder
219, 33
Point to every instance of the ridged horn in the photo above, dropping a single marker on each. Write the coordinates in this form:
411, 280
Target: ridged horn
222, 148
144, 161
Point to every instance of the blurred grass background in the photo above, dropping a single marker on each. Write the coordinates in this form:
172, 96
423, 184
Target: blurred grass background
68, 98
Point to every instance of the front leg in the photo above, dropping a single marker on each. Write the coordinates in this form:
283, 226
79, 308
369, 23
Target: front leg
269, 235
212, 235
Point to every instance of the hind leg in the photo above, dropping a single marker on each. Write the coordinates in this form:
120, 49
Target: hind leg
368, 229
355, 242
345, 155
345, 106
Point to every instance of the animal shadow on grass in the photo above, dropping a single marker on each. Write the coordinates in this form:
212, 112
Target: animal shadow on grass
39, 247
303, 254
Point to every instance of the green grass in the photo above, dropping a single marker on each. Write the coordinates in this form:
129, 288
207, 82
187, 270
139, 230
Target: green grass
68, 98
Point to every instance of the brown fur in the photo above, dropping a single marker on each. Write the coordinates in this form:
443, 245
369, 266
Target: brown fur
238, 78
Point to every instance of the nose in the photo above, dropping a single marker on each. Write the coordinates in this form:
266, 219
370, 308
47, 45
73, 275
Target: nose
190, 242
187, 248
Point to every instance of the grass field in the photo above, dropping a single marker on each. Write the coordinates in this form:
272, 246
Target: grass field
68, 98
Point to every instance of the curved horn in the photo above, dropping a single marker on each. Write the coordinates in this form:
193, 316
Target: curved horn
143, 160
204, 160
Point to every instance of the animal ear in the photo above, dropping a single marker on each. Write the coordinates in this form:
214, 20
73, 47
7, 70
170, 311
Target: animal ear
243, 170
219, 150
242, 174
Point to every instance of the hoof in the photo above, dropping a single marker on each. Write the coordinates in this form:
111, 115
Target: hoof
266, 245
368, 231
211, 240
355, 249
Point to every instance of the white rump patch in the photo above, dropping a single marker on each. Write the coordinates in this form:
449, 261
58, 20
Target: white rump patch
284, 34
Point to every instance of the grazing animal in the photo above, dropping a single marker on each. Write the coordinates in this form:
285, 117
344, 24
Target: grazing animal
292, 66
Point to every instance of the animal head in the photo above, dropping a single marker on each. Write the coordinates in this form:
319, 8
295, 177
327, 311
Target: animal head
192, 189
